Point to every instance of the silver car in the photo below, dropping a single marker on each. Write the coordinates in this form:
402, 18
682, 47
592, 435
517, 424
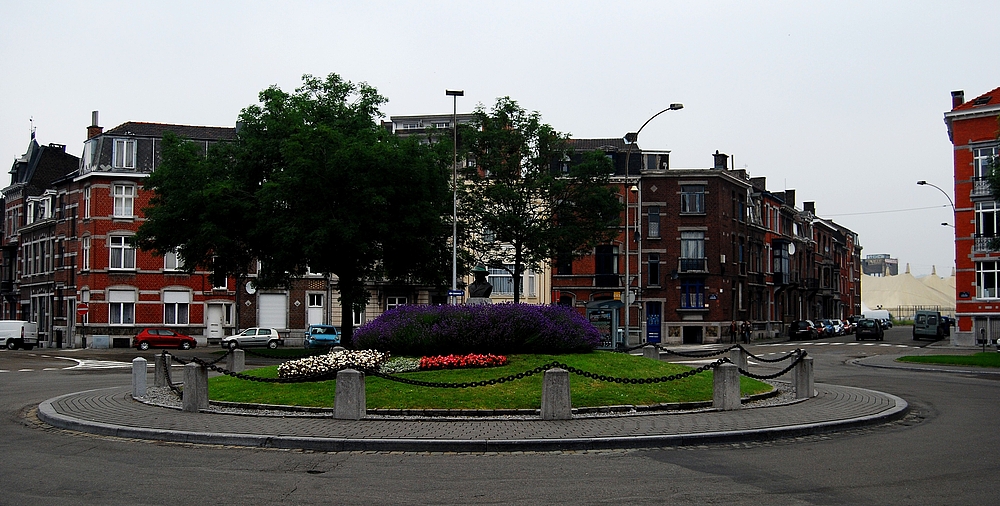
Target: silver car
256, 336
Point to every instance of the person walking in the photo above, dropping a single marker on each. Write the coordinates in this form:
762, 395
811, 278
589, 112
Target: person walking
746, 332
733, 329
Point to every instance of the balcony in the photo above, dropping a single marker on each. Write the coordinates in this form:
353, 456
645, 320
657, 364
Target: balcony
982, 243
687, 265
981, 189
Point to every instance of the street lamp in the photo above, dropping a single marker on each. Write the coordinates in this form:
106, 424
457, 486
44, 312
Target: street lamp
454, 94
952, 202
634, 137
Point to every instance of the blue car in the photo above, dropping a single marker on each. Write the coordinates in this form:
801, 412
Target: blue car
322, 336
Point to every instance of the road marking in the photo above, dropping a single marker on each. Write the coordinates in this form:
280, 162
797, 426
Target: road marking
25, 370
95, 364
52, 369
4, 370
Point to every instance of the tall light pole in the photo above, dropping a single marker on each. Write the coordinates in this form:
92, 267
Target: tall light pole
454, 94
950, 201
628, 283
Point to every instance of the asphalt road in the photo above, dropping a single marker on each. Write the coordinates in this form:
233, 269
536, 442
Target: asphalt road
944, 452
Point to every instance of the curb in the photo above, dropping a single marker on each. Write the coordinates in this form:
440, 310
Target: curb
895, 365
48, 414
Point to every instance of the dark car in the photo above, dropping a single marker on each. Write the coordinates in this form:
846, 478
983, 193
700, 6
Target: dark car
803, 329
322, 336
162, 338
869, 328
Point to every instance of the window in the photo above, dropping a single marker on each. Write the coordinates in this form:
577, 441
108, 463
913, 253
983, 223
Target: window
124, 154
503, 281
394, 302
122, 253
654, 269
982, 159
86, 202
654, 222
693, 294
175, 307
359, 317
172, 261
692, 199
606, 266
85, 254
987, 274
124, 196
121, 307
693, 251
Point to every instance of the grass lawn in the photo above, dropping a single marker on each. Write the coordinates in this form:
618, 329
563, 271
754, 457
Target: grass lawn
518, 394
988, 359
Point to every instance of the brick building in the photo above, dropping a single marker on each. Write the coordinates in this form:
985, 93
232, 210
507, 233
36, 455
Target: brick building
703, 248
973, 131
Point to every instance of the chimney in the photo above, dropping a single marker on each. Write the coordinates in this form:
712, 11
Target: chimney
957, 98
759, 183
721, 160
93, 130
809, 207
790, 198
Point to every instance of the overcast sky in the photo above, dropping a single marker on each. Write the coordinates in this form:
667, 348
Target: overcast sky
841, 101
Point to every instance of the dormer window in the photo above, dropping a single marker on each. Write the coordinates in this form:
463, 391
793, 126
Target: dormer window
124, 154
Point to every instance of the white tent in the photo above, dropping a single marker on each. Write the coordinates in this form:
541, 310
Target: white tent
891, 292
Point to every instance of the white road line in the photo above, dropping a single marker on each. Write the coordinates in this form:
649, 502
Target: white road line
25, 370
4, 370
95, 364
52, 369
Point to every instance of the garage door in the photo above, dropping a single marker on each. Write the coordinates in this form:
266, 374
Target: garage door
273, 309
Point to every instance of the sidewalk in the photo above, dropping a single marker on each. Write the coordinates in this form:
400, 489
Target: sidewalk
112, 412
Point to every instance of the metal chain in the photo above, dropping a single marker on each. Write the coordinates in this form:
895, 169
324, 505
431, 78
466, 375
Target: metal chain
166, 372
696, 355
775, 375
642, 381
793, 353
494, 381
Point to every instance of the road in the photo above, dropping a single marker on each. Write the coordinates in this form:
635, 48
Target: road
944, 452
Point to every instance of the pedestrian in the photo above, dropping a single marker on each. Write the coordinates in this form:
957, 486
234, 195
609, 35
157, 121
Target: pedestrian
746, 332
733, 329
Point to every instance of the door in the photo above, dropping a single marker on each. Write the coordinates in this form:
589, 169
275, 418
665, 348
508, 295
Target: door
214, 321
273, 309
314, 313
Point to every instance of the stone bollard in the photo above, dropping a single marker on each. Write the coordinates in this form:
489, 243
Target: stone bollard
161, 364
349, 397
195, 387
236, 360
726, 387
336, 349
739, 357
138, 377
650, 351
804, 381
556, 403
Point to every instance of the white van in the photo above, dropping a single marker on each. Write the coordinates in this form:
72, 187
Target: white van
16, 334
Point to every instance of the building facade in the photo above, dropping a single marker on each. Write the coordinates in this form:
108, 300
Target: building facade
701, 249
973, 131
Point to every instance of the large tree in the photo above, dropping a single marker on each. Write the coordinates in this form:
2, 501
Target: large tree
320, 185
526, 198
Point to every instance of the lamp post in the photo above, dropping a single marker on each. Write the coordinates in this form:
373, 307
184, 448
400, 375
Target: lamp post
626, 295
950, 201
454, 94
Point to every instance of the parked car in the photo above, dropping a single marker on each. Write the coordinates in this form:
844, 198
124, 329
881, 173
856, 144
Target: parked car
16, 334
838, 327
868, 327
162, 338
930, 324
255, 336
828, 329
803, 329
848, 326
322, 336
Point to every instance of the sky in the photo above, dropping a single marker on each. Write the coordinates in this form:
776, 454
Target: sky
841, 101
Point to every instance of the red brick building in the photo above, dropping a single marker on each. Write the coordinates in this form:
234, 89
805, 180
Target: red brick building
973, 130
706, 247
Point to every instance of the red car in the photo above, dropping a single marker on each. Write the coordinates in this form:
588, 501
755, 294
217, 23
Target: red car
163, 338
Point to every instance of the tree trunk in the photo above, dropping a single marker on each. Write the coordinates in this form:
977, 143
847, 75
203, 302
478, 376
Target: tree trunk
516, 275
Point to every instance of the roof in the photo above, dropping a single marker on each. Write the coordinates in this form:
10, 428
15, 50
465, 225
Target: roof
986, 99
601, 144
142, 129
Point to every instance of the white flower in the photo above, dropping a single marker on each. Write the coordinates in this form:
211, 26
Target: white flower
332, 362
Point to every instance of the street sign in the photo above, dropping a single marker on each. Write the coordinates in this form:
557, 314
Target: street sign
82, 308
456, 293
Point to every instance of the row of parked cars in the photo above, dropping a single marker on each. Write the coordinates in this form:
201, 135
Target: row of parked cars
316, 336
814, 329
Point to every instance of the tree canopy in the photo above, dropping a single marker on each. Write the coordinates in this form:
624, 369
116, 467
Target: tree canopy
528, 201
312, 181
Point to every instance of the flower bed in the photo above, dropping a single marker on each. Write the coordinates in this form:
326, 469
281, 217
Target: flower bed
461, 361
501, 329
331, 363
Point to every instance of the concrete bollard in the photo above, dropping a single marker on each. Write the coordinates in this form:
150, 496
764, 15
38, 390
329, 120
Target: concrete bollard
161, 364
236, 360
349, 397
195, 387
138, 377
336, 349
739, 357
650, 351
556, 402
804, 381
726, 387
